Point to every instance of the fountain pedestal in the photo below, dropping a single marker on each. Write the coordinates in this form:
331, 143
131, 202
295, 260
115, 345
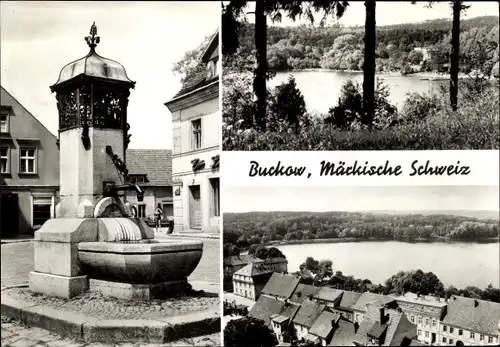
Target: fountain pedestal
57, 270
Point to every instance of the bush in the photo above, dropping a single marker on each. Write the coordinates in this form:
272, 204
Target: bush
474, 126
418, 106
349, 111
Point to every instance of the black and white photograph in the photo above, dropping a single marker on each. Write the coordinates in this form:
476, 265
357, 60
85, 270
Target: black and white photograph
360, 75
110, 217
361, 266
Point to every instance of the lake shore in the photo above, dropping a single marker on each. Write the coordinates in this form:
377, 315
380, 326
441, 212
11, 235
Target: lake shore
425, 75
372, 239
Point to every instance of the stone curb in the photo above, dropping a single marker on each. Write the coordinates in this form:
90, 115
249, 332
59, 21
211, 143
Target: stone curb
195, 236
90, 329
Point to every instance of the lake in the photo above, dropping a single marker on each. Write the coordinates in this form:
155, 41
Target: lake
457, 264
321, 89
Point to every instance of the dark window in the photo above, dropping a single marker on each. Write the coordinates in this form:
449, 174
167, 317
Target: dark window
41, 210
214, 182
196, 128
5, 160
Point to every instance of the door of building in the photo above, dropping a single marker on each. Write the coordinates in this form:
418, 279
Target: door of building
195, 207
433, 338
9, 215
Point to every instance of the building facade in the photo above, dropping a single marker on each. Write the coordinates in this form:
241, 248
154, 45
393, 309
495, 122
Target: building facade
470, 321
152, 170
249, 281
29, 170
426, 312
195, 158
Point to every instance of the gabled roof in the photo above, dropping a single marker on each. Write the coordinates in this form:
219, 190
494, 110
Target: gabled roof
348, 300
366, 298
324, 324
421, 299
328, 294
482, 317
395, 331
265, 307
308, 313
242, 259
198, 78
281, 285
211, 47
303, 291
156, 164
344, 334
6, 105
253, 269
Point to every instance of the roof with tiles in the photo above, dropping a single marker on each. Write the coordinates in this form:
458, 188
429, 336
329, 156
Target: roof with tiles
308, 313
421, 299
324, 324
475, 315
393, 330
198, 78
303, 291
328, 294
366, 298
344, 334
242, 259
253, 269
265, 307
348, 300
281, 285
156, 164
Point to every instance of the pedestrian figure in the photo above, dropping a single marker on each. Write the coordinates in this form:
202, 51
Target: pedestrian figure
158, 217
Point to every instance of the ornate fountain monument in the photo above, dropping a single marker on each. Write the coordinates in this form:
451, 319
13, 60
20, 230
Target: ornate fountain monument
94, 243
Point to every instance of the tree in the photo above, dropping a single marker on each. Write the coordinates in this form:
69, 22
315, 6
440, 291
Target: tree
190, 61
289, 104
369, 64
263, 8
248, 332
415, 57
457, 8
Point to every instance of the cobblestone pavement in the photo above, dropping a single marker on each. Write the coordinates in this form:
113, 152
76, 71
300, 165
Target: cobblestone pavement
16, 335
99, 306
17, 262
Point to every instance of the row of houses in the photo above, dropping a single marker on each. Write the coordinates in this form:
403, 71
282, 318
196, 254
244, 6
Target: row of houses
335, 317
189, 195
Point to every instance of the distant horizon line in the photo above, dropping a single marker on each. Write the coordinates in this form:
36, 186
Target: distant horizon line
368, 211
293, 25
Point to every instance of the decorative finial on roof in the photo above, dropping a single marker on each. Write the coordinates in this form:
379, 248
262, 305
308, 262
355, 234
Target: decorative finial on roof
93, 39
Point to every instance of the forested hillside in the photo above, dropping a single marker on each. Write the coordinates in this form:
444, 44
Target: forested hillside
341, 48
245, 229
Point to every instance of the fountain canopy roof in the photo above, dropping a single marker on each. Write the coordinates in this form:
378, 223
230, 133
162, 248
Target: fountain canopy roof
93, 65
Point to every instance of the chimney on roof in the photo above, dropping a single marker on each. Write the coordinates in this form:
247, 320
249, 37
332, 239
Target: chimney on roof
418, 294
334, 324
476, 303
356, 326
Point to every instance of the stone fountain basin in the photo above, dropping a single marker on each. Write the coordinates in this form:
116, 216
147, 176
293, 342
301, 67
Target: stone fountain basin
140, 262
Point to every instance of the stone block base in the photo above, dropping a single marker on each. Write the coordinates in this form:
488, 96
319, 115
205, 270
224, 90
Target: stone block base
55, 285
127, 291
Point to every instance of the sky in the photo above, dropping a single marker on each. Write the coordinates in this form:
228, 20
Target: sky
147, 38
395, 198
397, 12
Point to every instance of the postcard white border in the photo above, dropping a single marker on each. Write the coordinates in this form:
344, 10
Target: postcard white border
483, 166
